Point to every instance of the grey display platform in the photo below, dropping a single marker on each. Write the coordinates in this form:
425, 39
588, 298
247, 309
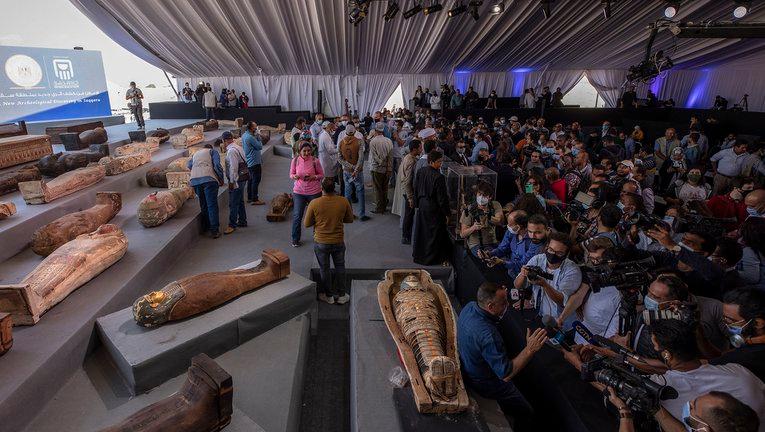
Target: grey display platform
267, 374
146, 356
373, 357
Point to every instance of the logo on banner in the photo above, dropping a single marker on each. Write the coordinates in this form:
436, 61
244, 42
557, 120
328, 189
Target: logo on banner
23, 70
63, 69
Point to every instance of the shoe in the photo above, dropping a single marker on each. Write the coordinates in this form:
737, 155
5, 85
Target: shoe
375, 211
406, 241
216, 234
329, 300
343, 299
242, 225
258, 202
296, 244
365, 218
229, 230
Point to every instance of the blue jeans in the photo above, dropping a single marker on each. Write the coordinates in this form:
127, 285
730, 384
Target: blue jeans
210, 112
254, 182
300, 202
208, 203
323, 253
358, 184
237, 216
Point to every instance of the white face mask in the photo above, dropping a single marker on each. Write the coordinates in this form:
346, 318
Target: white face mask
482, 200
511, 230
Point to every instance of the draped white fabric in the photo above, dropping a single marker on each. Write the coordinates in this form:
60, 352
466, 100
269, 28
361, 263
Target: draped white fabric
608, 83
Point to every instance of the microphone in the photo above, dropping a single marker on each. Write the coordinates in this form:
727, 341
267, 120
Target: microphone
555, 333
600, 341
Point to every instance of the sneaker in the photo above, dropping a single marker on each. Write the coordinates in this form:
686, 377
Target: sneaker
296, 244
329, 300
216, 234
343, 299
229, 230
365, 218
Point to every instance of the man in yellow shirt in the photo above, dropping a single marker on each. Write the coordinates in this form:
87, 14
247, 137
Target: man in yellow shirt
327, 215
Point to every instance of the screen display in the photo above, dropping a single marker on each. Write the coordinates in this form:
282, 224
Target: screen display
38, 84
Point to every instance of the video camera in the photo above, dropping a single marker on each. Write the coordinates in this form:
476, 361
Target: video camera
637, 391
645, 221
476, 213
536, 272
714, 226
683, 311
630, 275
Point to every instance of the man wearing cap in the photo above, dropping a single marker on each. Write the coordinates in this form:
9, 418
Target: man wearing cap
328, 150
479, 144
624, 170
252, 147
237, 215
351, 153
381, 157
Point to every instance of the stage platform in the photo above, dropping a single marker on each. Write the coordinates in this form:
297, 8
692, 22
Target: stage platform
38, 128
267, 387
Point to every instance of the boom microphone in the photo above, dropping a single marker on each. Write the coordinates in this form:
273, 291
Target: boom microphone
600, 341
554, 332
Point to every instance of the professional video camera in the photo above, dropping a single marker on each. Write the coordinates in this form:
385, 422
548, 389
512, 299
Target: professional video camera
645, 221
626, 276
639, 393
536, 272
714, 226
683, 311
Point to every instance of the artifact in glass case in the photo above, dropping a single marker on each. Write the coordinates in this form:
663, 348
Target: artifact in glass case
7, 209
66, 269
51, 236
40, 192
158, 207
58, 163
200, 293
122, 164
203, 404
6, 332
421, 320
461, 185
9, 182
280, 207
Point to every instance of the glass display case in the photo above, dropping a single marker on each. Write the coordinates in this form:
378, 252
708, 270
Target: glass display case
461, 184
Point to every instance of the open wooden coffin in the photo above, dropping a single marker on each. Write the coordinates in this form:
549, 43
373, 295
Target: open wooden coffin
386, 291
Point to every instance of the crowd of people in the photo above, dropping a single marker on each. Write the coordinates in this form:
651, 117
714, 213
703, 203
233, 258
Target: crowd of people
449, 97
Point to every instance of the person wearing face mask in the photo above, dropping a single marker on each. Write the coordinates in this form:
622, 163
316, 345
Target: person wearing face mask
751, 268
479, 143
478, 222
549, 297
517, 247
663, 146
744, 319
460, 155
694, 189
316, 127
727, 165
135, 97
692, 378
731, 203
486, 365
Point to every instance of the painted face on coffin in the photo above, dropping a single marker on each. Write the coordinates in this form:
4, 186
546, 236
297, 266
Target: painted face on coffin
154, 309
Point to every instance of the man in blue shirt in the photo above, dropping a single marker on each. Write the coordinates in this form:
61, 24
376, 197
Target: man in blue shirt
523, 239
252, 148
479, 144
486, 367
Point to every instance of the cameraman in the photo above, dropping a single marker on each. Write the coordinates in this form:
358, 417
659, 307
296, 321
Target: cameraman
606, 220
550, 296
744, 315
479, 221
599, 310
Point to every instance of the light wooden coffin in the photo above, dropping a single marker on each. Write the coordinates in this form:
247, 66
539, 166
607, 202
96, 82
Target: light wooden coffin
20, 149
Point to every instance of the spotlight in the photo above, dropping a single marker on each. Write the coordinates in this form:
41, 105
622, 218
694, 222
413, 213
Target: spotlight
417, 8
457, 9
357, 11
546, 8
606, 8
433, 8
474, 8
671, 9
392, 10
497, 8
741, 9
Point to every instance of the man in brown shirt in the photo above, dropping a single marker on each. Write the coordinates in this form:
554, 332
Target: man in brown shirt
351, 149
407, 183
327, 215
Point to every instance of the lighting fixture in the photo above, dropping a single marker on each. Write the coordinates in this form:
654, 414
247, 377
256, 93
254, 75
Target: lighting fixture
671, 9
457, 9
742, 8
606, 8
391, 11
357, 11
417, 8
473, 5
434, 7
497, 8
546, 8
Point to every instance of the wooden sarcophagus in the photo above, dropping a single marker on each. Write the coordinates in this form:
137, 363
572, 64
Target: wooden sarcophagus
423, 326
20, 149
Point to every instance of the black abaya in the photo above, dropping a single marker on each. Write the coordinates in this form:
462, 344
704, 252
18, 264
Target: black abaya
430, 241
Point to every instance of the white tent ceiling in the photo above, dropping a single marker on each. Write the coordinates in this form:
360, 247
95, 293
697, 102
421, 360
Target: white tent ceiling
313, 37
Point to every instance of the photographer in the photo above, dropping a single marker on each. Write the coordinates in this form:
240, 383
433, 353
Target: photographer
744, 318
479, 220
517, 246
549, 296
605, 220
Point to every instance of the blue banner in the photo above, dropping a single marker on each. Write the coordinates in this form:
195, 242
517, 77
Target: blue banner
38, 84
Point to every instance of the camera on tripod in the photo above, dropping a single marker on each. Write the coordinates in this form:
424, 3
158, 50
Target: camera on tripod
637, 391
536, 272
630, 275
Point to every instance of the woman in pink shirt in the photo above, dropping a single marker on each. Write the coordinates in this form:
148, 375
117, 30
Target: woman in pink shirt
306, 171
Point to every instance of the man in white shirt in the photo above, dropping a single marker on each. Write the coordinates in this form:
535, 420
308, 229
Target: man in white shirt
727, 165
327, 149
550, 297
210, 102
237, 215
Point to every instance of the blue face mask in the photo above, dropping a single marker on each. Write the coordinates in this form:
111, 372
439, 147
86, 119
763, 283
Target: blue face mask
574, 151
735, 334
650, 304
753, 212
620, 205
